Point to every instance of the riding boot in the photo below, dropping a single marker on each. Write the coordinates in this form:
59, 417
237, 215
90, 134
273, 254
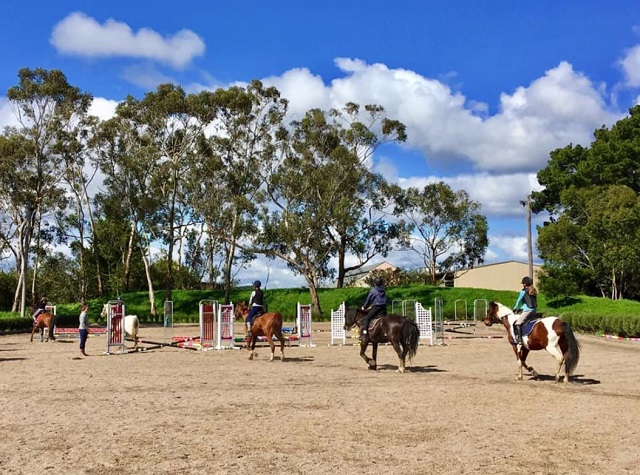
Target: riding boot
517, 329
363, 335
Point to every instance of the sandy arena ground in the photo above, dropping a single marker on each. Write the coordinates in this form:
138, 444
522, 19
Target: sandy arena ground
457, 410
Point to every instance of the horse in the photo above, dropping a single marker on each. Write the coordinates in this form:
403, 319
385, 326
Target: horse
549, 333
267, 324
402, 333
131, 325
44, 320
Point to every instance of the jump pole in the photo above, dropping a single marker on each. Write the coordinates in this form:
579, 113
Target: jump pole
167, 321
226, 317
424, 322
207, 313
115, 325
303, 322
337, 325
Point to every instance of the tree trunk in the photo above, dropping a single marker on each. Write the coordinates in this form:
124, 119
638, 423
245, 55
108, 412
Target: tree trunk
147, 271
94, 250
129, 256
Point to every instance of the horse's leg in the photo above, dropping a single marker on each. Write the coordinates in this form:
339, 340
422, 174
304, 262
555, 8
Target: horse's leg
556, 352
33, 330
374, 356
250, 346
401, 356
272, 345
363, 348
280, 337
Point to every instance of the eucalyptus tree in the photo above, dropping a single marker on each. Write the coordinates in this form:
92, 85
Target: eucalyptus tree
448, 231
173, 124
227, 184
45, 104
360, 224
304, 190
127, 157
79, 174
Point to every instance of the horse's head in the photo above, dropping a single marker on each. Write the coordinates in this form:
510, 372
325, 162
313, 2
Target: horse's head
353, 317
495, 313
241, 310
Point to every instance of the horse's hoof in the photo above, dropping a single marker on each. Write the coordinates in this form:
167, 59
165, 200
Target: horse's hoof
373, 368
400, 370
534, 374
251, 356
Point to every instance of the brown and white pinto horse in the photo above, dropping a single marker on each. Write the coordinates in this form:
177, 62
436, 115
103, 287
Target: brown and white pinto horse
402, 333
267, 325
549, 333
44, 320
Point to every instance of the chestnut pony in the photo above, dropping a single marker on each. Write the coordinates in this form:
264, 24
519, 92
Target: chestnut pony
402, 333
44, 320
267, 325
549, 333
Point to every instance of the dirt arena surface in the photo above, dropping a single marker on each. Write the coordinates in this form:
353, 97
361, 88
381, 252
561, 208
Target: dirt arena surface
457, 410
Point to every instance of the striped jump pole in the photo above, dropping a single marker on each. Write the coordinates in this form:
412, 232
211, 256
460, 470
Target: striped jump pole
226, 318
303, 322
115, 325
208, 323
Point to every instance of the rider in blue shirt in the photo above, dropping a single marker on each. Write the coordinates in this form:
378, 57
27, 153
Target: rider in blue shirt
376, 303
527, 302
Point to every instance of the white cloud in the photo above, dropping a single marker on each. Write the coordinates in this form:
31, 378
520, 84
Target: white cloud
103, 108
81, 35
630, 65
561, 107
7, 117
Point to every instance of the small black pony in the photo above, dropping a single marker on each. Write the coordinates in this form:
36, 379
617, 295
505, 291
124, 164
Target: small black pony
401, 332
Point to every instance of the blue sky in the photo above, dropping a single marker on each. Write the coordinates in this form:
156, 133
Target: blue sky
486, 89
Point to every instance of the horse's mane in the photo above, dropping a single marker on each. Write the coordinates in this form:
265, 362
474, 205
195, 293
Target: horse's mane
503, 310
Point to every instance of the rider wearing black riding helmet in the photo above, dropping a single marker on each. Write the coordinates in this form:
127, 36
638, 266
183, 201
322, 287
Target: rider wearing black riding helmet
256, 304
376, 303
41, 307
527, 302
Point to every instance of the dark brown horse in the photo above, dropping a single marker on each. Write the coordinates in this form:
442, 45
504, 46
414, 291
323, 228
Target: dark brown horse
549, 333
402, 333
267, 325
44, 320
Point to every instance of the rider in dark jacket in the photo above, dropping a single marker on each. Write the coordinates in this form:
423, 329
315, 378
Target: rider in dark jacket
42, 307
256, 304
376, 303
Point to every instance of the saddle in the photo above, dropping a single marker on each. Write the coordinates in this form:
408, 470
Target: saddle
529, 323
374, 322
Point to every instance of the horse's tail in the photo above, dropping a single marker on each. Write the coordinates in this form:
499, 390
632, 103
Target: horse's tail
410, 337
573, 349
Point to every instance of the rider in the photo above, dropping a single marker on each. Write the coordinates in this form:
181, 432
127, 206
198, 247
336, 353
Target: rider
42, 307
256, 302
376, 303
527, 302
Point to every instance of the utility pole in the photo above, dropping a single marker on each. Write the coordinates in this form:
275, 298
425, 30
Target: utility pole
527, 205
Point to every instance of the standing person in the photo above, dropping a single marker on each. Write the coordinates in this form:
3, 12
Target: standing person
376, 303
256, 304
528, 296
83, 328
41, 308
